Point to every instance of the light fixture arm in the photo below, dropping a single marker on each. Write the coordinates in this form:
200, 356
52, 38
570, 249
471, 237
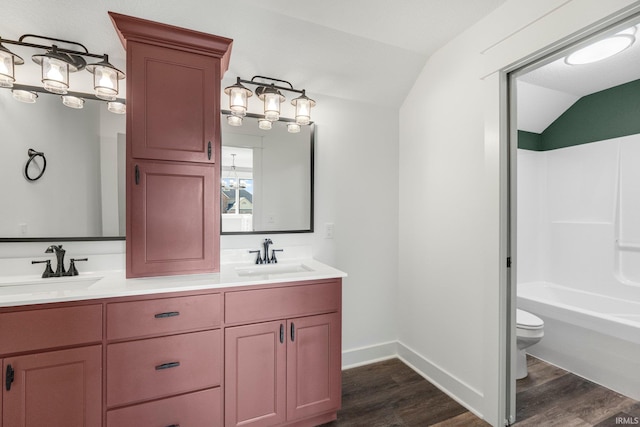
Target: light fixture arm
273, 85
21, 42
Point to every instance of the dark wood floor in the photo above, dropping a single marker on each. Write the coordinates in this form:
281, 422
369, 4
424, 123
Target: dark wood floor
390, 393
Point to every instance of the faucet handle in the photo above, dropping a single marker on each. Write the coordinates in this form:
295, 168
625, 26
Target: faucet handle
73, 271
273, 255
48, 272
258, 258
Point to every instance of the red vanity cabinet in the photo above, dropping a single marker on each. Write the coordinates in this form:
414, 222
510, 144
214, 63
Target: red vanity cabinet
52, 366
173, 141
286, 371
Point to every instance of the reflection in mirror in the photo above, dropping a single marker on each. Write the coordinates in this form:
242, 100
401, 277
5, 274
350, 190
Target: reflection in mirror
81, 194
266, 178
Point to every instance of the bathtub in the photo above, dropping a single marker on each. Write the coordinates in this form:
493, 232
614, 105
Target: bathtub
591, 335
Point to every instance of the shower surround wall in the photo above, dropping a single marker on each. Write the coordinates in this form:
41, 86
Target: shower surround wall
578, 210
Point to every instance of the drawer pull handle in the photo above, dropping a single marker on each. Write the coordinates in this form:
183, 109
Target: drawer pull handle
209, 150
137, 175
167, 314
174, 425
293, 332
9, 378
281, 333
167, 366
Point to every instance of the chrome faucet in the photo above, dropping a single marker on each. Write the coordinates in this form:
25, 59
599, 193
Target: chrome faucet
57, 249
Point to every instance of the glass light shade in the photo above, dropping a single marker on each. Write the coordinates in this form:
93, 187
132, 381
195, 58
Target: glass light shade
293, 128
117, 107
73, 101
271, 106
24, 96
55, 75
8, 61
600, 50
303, 106
105, 79
105, 83
238, 101
264, 124
234, 120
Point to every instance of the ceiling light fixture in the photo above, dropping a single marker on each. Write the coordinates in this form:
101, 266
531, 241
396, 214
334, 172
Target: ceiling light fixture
602, 49
56, 64
268, 90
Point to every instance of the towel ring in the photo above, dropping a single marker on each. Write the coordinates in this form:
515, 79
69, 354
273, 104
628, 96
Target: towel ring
32, 155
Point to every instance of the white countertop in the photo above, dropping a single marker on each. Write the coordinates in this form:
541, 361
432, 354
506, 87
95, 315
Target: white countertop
24, 290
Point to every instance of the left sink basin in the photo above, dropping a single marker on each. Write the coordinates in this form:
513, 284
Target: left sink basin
68, 282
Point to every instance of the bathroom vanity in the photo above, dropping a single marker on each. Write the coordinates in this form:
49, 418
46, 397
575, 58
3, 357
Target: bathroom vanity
252, 345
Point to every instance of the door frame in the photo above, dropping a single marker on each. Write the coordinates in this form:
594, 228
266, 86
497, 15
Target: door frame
508, 183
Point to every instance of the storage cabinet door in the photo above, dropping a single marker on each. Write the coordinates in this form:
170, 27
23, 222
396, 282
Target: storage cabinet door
255, 375
172, 221
172, 96
58, 388
313, 365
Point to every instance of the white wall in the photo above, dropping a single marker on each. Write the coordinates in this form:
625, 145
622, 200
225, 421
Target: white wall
451, 228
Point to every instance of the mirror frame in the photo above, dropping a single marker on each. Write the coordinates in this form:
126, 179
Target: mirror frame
312, 149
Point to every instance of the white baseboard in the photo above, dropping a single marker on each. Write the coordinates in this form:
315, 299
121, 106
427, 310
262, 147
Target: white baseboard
371, 354
455, 388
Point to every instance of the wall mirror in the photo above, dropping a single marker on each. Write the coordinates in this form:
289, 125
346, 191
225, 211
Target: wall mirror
81, 194
266, 177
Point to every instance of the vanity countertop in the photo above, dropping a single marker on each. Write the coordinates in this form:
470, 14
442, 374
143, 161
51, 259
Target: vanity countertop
25, 290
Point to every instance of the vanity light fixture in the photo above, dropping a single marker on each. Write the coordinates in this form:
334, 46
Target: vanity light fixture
268, 90
8, 61
56, 63
603, 49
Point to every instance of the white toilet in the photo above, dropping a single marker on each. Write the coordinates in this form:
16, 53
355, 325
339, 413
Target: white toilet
529, 330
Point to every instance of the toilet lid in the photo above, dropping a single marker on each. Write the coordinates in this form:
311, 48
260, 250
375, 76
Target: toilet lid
526, 320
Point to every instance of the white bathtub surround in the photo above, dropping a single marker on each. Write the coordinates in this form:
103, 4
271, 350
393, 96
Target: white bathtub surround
591, 335
579, 257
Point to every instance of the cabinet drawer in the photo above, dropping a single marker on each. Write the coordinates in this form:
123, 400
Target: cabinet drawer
279, 303
160, 367
49, 328
202, 408
162, 316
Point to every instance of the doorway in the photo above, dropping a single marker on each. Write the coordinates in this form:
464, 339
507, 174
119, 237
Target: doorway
570, 131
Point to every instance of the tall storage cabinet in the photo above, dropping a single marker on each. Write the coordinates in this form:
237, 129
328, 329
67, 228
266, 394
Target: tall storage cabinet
173, 144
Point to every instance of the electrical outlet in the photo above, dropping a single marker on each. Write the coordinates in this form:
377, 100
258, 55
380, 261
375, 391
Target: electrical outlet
328, 230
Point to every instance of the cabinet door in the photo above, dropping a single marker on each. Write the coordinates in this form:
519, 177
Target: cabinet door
313, 365
172, 98
58, 388
172, 221
255, 375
